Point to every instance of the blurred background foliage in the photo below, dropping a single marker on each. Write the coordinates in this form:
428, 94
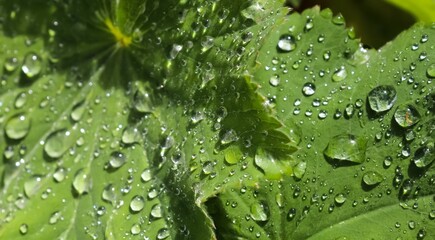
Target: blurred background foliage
375, 21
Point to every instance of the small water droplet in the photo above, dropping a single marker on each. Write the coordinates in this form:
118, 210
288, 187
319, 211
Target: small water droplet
326, 55
338, 19
78, 111
32, 65
229, 137
20, 100
11, 64
146, 175
58, 142
382, 98
17, 127
286, 43
174, 51
156, 211
346, 147
130, 135
108, 194
340, 198
274, 80
137, 203
135, 229
117, 159
372, 178
59, 174
33, 185
55, 217
259, 212
425, 155
339, 75
309, 24
82, 181
163, 233
406, 115
309, 89
24, 228
142, 100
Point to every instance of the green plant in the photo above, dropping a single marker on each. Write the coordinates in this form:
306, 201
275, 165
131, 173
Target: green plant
211, 119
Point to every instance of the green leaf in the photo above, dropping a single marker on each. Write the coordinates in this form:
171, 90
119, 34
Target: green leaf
422, 9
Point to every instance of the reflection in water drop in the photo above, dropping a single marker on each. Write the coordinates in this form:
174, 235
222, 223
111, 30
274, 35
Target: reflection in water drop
346, 147
406, 115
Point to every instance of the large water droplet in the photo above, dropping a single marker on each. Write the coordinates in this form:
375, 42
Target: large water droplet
259, 212
82, 181
286, 43
20, 100
431, 71
300, 169
137, 203
273, 167
372, 178
163, 233
424, 155
340, 198
32, 65
17, 127
135, 229
308, 89
174, 51
346, 147
59, 174
117, 159
58, 142
406, 115
130, 135
382, 98
229, 137
274, 80
339, 75
78, 111
109, 193
156, 211
32, 185
142, 101
146, 175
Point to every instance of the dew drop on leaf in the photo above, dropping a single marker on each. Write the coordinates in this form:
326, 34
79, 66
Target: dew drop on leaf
338, 19
259, 212
57, 143
406, 115
78, 111
156, 211
346, 147
142, 101
207, 167
11, 64
286, 43
339, 75
82, 181
340, 198
108, 194
135, 229
274, 81
32, 65
382, 98
176, 48
55, 217
117, 159
273, 167
425, 155
372, 178
228, 137
59, 174
32, 185
137, 203
299, 170
17, 127
24, 228
431, 71
130, 135
146, 175
308, 89
163, 233
20, 100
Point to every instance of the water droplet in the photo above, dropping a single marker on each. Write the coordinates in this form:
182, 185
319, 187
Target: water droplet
142, 101
135, 229
387, 161
309, 25
82, 181
406, 188
32, 65
372, 178
58, 142
339, 75
20, 100
59, 174
300, 169
229, 137
309, 89
130, 135
406, 115
340, 198
146, 175
346, 147
163, 233
207, 42
17, 127
137, 203
11, 64
233, 155
174, 51
274, 80
338, 19
286, 43
207, 167
78, 111
327, 55
108, 194
197, 117
24, 228
259, 212
117, 159
421, 234
273, 167
32, 185
156, 211
382, 98
424, 155
55, 217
